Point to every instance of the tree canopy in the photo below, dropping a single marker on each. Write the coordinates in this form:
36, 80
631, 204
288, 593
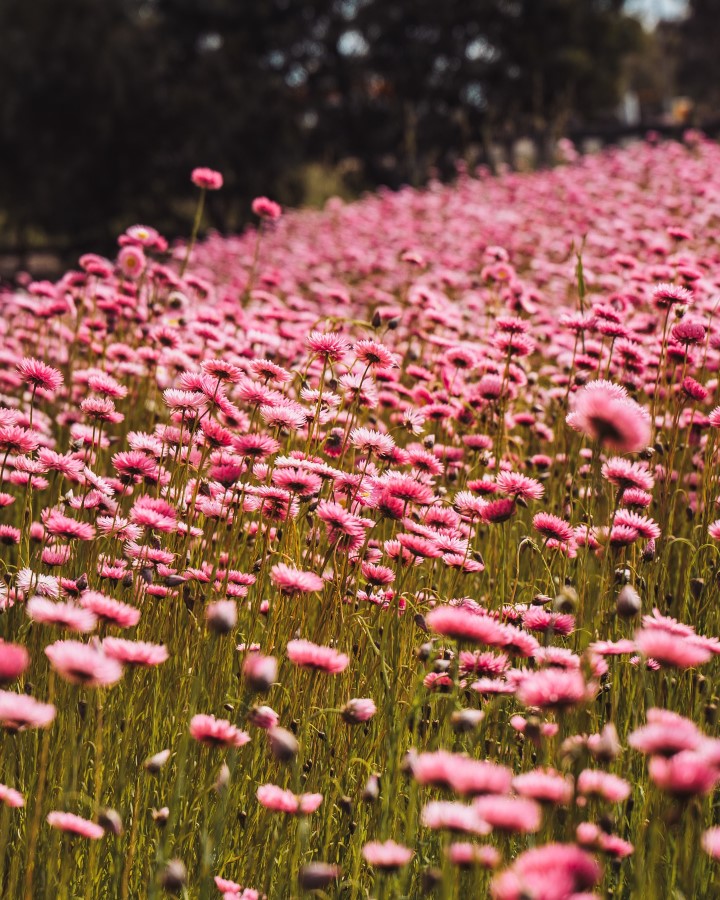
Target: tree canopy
106, 106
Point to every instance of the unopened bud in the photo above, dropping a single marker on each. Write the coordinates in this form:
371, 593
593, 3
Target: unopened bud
566, 601
161, 816
173, 877
223, 779
260, 672
221, 616
371, 791
110, 820
154, 763
628, 603
605, 746
317, 875
358, 710
465, 720
283, 744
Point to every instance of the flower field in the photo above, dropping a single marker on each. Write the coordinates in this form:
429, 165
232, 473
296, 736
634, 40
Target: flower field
374, 552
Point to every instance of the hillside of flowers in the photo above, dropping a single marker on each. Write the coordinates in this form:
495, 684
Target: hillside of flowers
373, 553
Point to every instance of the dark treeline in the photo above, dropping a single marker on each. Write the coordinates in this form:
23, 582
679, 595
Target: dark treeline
106, 105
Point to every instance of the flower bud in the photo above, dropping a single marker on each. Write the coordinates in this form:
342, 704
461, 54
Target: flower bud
173, 877
283, 744
263, 717
358, 710
154, 763
628, 602
317, 875
223, 779
110, 820
221, 616
161, 816
371, 791
465, 720
260, 672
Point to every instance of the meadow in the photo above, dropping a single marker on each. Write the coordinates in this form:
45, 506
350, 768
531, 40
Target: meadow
373, 552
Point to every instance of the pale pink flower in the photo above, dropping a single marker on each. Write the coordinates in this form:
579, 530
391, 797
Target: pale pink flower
75, 825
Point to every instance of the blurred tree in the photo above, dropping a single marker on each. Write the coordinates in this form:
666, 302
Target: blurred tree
106, 105
698, 48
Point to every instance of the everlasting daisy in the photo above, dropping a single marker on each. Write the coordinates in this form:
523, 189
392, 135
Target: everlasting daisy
83, 664
73, 824
39, 375
217, 732
311, 656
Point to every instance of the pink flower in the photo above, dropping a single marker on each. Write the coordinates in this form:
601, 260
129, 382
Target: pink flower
266, 209
292, 581
19, 711
311, 656
39, 375
592, 782
554, 688
464, 625
260, 671
387, 855
711, 842
550, 872
263, 717
73, 824
66, 615
328, 346
14, 660
131, 261
671, 650
665, 734
457, 817
207, 179
358, 710
518, 485
135, 653
512, 814
10, 797
217, 732
685, 774
83, 664
544, 785
275, 798
113, 611
467, 855
605, 413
